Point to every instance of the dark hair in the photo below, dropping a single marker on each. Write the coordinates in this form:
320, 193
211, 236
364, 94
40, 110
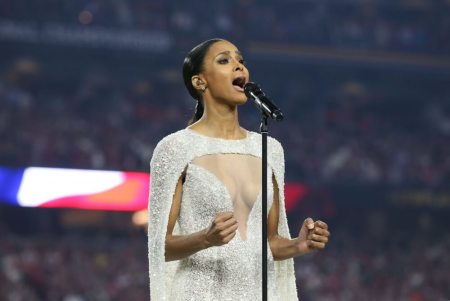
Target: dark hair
193, 65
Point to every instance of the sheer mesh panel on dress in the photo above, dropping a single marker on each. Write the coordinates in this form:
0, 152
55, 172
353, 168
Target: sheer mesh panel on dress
241, 176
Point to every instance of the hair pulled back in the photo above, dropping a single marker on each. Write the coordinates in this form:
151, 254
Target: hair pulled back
193, 65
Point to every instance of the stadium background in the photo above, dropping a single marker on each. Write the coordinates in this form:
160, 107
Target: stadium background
365, 88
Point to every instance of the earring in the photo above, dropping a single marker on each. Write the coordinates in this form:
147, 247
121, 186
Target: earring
203, 88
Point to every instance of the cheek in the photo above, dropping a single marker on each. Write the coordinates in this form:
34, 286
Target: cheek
219, 79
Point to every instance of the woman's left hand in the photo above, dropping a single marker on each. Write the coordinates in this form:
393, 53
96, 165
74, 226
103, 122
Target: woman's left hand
312, 236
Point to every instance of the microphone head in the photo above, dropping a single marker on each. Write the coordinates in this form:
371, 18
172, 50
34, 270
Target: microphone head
277, 115
251, 87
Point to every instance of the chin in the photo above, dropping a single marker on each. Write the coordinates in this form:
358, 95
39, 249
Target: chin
240, 100
235, 99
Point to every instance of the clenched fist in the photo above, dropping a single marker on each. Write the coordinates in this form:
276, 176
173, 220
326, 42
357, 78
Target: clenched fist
222, 229
312, 236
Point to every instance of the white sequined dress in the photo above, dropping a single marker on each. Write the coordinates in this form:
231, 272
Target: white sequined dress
217, 173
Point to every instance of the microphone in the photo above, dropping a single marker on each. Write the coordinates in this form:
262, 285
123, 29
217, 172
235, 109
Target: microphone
262, 102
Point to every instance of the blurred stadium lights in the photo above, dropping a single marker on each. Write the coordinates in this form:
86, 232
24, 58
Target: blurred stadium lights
140, 218
89, 189
74, 188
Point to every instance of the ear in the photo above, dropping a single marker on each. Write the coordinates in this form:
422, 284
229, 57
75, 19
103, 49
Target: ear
198, 82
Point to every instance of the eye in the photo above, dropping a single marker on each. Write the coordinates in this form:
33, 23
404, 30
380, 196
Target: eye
242, 61
223, 61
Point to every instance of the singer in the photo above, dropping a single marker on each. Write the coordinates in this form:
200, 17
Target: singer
204, 234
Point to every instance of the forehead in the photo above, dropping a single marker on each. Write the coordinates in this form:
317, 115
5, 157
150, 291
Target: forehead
221, 46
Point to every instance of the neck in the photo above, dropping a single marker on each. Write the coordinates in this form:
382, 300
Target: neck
220, 121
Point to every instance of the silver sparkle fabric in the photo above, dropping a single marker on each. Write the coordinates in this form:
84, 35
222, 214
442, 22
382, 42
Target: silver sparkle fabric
229, 272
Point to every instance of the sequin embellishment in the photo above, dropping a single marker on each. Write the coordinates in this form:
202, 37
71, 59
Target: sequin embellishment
229, 272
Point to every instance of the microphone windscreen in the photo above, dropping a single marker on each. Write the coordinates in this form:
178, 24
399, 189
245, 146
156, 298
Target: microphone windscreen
250, 87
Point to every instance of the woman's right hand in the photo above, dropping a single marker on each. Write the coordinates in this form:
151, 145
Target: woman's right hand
222, 229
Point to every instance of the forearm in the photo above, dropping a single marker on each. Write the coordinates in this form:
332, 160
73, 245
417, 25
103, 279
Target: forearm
283, 248
182, 246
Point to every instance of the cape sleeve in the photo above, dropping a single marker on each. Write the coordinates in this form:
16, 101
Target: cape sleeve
284, 269
166, 166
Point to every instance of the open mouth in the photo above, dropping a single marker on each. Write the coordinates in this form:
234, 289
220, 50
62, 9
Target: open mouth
239, 83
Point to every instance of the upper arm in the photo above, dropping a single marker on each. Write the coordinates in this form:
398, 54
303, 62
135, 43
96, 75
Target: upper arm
176, 204
272, 221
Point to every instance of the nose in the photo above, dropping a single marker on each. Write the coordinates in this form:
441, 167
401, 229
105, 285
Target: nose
239, 66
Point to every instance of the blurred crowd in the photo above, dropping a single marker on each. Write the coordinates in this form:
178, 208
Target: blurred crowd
382, 258
362, 128
400, 143
93, 121
343, 130
73, 269
77, 108
407, 26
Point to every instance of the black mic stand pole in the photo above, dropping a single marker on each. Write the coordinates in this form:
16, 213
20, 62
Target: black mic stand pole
264, 132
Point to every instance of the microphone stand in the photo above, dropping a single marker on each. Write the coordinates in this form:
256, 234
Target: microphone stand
264, 131
268, 109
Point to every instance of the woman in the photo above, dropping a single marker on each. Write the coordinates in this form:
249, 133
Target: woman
205, 201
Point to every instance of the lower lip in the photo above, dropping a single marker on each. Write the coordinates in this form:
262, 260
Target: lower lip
238, 88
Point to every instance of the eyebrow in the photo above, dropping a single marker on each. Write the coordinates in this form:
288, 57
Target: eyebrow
228, 52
